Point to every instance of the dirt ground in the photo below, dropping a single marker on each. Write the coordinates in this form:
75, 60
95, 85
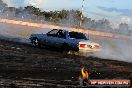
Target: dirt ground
24, 66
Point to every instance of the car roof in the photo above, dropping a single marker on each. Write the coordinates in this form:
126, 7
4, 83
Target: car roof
62, 30
67, 30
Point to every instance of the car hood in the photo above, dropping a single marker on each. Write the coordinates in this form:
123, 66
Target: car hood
39, 35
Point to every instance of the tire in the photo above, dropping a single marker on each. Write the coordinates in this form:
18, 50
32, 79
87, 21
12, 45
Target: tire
35, 42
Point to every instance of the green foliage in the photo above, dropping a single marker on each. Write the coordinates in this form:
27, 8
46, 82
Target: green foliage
53, 16
33, 10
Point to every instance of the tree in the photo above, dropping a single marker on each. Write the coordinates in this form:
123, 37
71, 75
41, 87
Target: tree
2, 6
33, 10
123, 28
103, 25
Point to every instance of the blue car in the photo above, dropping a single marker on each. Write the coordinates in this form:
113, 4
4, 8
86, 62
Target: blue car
66, 40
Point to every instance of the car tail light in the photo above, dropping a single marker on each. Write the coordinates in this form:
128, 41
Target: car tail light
96, 46
82, 45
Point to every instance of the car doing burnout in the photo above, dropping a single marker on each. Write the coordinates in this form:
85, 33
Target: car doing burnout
66, 40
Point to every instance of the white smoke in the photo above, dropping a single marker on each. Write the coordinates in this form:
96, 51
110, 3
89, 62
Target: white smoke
8, 2
23, 3
14, 3
36, 3
116, 49
18, 33
125, 19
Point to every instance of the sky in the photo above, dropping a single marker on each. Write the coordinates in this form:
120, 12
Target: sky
114, 10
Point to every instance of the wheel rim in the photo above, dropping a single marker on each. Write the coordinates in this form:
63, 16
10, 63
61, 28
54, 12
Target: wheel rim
35, 42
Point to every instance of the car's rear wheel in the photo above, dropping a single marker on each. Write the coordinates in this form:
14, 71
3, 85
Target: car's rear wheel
35, 42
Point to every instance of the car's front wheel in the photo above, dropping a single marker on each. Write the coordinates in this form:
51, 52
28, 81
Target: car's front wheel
35, 42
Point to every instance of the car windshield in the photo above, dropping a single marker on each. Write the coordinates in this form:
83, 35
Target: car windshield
52, 32
77, 35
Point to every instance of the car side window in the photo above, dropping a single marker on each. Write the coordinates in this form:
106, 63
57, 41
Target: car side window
77, 35
52, 32
61, 34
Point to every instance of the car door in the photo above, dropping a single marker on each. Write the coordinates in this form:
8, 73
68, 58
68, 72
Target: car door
43, 39
60, 39
49, 40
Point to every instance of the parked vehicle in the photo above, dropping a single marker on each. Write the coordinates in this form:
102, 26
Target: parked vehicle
66, 40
